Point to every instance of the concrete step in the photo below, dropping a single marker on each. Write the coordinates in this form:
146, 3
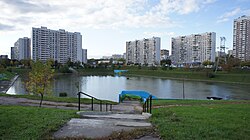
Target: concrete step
109, 115
95, 128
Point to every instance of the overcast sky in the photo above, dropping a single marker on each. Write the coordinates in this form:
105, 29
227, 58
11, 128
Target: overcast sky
106, 25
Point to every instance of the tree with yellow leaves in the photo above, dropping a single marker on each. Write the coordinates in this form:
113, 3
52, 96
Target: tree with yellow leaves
40, 78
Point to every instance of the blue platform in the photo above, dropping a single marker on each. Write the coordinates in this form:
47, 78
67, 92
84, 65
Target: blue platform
120, 71
143, 94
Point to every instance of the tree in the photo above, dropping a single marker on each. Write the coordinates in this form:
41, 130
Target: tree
207, 62
231, 63
26, 62
40, 78
70, 63
245, 63
166, 62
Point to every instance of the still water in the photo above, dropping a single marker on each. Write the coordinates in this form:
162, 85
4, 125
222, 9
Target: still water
108, 87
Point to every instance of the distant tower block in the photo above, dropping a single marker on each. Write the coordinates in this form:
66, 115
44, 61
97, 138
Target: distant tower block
222, 45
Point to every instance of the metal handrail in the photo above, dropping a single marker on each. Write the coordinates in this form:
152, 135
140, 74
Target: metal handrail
147, 106
92, 102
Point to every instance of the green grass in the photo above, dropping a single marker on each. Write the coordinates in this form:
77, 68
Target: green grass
96, 71
58, 99
202, 119
131, 97
238, 77
17, 122
6, 76
166, 102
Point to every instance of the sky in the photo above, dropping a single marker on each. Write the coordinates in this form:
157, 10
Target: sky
106, 25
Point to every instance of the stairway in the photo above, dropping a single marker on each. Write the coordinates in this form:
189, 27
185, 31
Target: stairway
102, 124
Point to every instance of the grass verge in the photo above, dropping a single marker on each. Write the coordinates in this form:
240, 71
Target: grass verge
179, 119
17, 122
6, 76
243, 78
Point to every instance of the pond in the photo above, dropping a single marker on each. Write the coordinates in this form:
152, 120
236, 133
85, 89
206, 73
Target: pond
109, 87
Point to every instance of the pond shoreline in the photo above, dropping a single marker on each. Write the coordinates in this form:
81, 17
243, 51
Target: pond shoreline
107, 87
5, 85
186, 79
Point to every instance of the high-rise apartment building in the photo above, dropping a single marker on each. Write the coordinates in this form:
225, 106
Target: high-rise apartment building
241, 38
195, 48
117, 56
3, 57
164, 54
84, 56
13, 53
144, 52
21, 49
58, 45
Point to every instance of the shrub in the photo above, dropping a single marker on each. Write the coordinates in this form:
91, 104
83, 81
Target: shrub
210, 75
63, 94
153, 68
64, 69
9, 69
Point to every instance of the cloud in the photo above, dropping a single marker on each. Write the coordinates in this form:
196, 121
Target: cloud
209, 1
25, 6
159, 34
4, 27
246, 12
226, 16
75, 14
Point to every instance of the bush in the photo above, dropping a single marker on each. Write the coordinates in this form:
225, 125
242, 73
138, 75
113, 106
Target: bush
9, 69
153, 68
64, 69
164, 67
210, 75
63, 94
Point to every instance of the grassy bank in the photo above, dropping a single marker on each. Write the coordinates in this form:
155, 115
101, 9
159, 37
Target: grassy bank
95, 71
203, 75
17, 122
190, 119
6, 76
57, 99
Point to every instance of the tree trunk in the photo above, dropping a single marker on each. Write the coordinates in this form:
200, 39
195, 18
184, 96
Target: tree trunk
41, 100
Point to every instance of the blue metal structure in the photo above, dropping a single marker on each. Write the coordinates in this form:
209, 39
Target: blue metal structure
120, 71
143, 94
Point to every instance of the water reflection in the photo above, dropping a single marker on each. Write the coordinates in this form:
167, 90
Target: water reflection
108, 87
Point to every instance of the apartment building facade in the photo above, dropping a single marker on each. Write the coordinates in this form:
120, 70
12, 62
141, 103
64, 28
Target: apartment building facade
195, 48
241, 38
164, 54
58, 45
144, 52
84, 56
21, 49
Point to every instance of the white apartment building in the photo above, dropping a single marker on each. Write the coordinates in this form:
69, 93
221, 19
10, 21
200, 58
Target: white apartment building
84, 56
144, 52
195, 48
21, 49
58, 45
164, 54
117, 56
241, 38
